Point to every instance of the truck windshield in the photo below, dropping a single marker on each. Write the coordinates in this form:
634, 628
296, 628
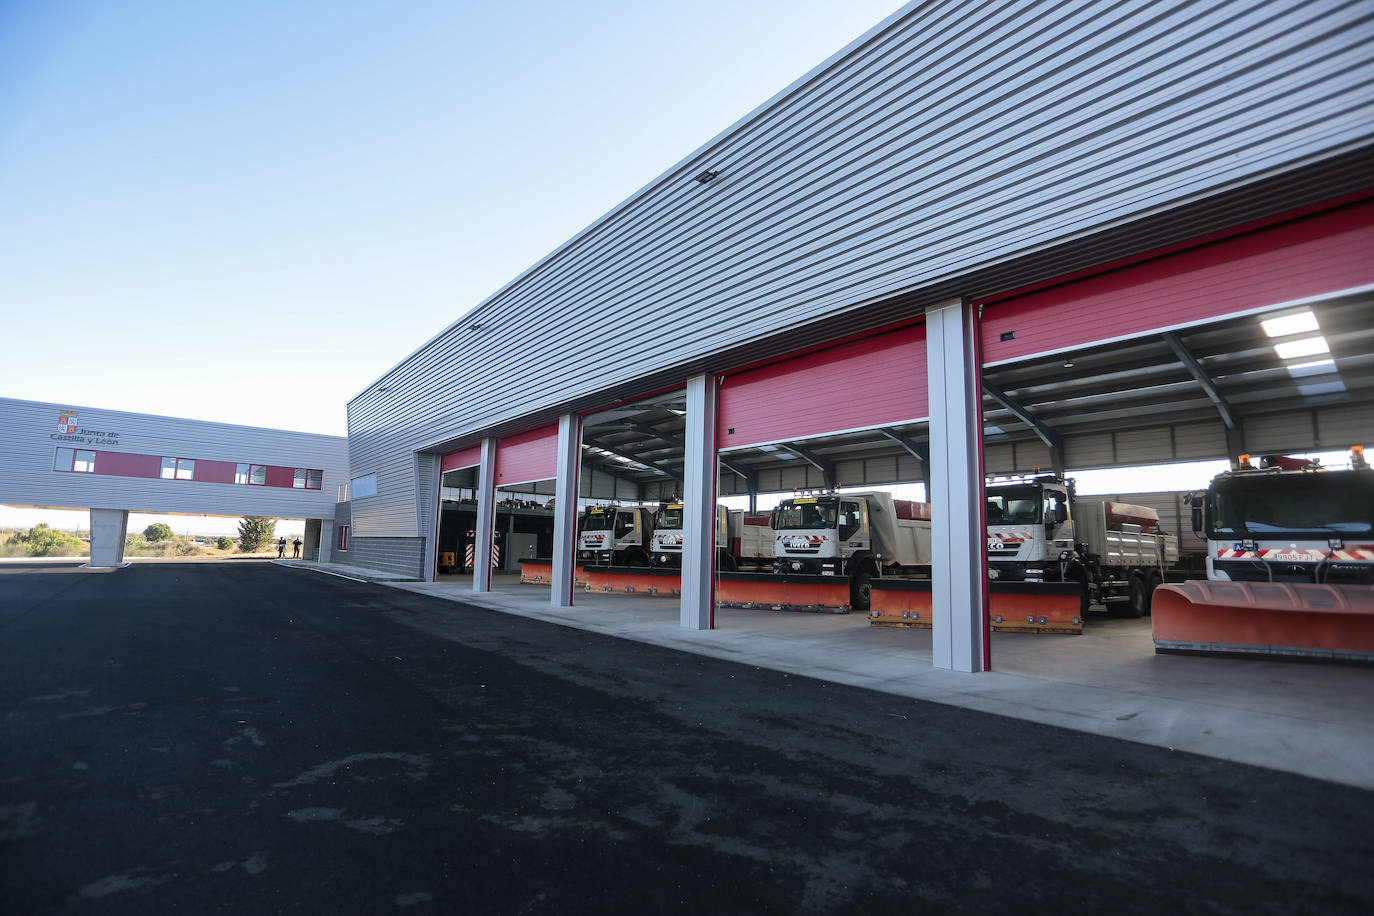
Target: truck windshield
1316, 506
669, 517
599, 521
1013, 505
793, 516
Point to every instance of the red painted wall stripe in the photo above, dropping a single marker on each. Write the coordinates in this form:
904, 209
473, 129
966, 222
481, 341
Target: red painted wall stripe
215, 471
129, 464
527, 456
873, 381
463, 458
1307, 257
123, 464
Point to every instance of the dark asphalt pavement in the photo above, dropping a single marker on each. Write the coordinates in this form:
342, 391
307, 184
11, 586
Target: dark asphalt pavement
239, 737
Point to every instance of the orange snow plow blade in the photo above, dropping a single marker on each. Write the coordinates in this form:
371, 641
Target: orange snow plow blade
899, 603
1035, 607
632, 580
1015, 607
818, 594
540, 572
1332, 622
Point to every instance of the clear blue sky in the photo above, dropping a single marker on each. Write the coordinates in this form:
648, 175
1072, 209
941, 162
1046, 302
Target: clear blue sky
247, 211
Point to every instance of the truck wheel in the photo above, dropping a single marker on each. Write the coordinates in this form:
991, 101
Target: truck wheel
1139, 595
860, 589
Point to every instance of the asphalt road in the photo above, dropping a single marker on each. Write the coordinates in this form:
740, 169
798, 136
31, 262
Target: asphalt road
240, 737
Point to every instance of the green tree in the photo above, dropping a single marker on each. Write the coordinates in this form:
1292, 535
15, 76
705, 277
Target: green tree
43, 541
157, 532
256, 533
225, 543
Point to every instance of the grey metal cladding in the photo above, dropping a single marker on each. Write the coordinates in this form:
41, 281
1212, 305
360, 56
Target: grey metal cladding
27, 443
956, 137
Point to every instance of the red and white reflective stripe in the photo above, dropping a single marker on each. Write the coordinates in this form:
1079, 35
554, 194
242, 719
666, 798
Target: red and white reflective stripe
1298, 555
495, 555
467, 557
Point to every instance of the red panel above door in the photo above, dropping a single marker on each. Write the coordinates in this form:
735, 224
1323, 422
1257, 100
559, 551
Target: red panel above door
874, 381
463, 458
1308, 257
527, 456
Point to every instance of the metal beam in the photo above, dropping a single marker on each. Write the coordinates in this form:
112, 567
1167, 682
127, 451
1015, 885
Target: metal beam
1047, 435
1191, 363
825, 467
666, 472
646, 429
912, 449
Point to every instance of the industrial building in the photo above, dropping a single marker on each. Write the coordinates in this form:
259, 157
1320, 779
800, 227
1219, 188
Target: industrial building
976, 240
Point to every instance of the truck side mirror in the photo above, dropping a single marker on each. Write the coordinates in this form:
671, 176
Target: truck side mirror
1197, 517
1061, 514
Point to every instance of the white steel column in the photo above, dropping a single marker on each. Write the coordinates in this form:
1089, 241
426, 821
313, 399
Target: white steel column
699, 506
955, 488
565, 508
109, 527
486, 514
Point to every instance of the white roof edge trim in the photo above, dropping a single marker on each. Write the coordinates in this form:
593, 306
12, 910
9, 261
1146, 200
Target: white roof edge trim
752, 115
159, 416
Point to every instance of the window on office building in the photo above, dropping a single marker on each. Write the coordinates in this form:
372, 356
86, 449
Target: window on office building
252, 474
343, 538
307, 479
62, 459
84, 462
178, 469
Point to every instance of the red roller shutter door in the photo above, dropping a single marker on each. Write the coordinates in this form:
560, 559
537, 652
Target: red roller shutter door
527, 456
878, 380
464, 458
1307, 257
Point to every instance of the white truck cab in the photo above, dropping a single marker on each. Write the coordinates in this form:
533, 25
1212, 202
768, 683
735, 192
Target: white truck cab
615, 536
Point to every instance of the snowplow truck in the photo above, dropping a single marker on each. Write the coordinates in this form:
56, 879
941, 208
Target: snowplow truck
615, 536
1289, 520
1038, 531
862, 535
742, 541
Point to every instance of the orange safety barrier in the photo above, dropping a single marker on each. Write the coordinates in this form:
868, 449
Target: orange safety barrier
540, 572
819, 594
1276, 619
633, 580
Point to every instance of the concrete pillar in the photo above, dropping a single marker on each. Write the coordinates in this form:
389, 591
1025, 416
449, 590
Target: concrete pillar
958, 538
327, 536
310, 540
109, 527
565, 509
699, 506
486, 517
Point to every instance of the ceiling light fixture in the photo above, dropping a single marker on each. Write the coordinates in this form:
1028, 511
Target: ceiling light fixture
1068, 363
1307, 346
1288, 325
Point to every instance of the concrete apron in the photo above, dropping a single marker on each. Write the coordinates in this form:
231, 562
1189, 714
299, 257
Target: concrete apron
1310, 719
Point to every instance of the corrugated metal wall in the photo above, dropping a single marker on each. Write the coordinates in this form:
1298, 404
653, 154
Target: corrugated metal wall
27, 476
958, 137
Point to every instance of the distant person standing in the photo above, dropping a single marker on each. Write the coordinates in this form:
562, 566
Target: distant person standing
296, 548
281, 548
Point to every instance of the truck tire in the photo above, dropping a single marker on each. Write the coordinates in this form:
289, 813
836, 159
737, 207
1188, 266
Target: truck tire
1138, 592
860, 589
